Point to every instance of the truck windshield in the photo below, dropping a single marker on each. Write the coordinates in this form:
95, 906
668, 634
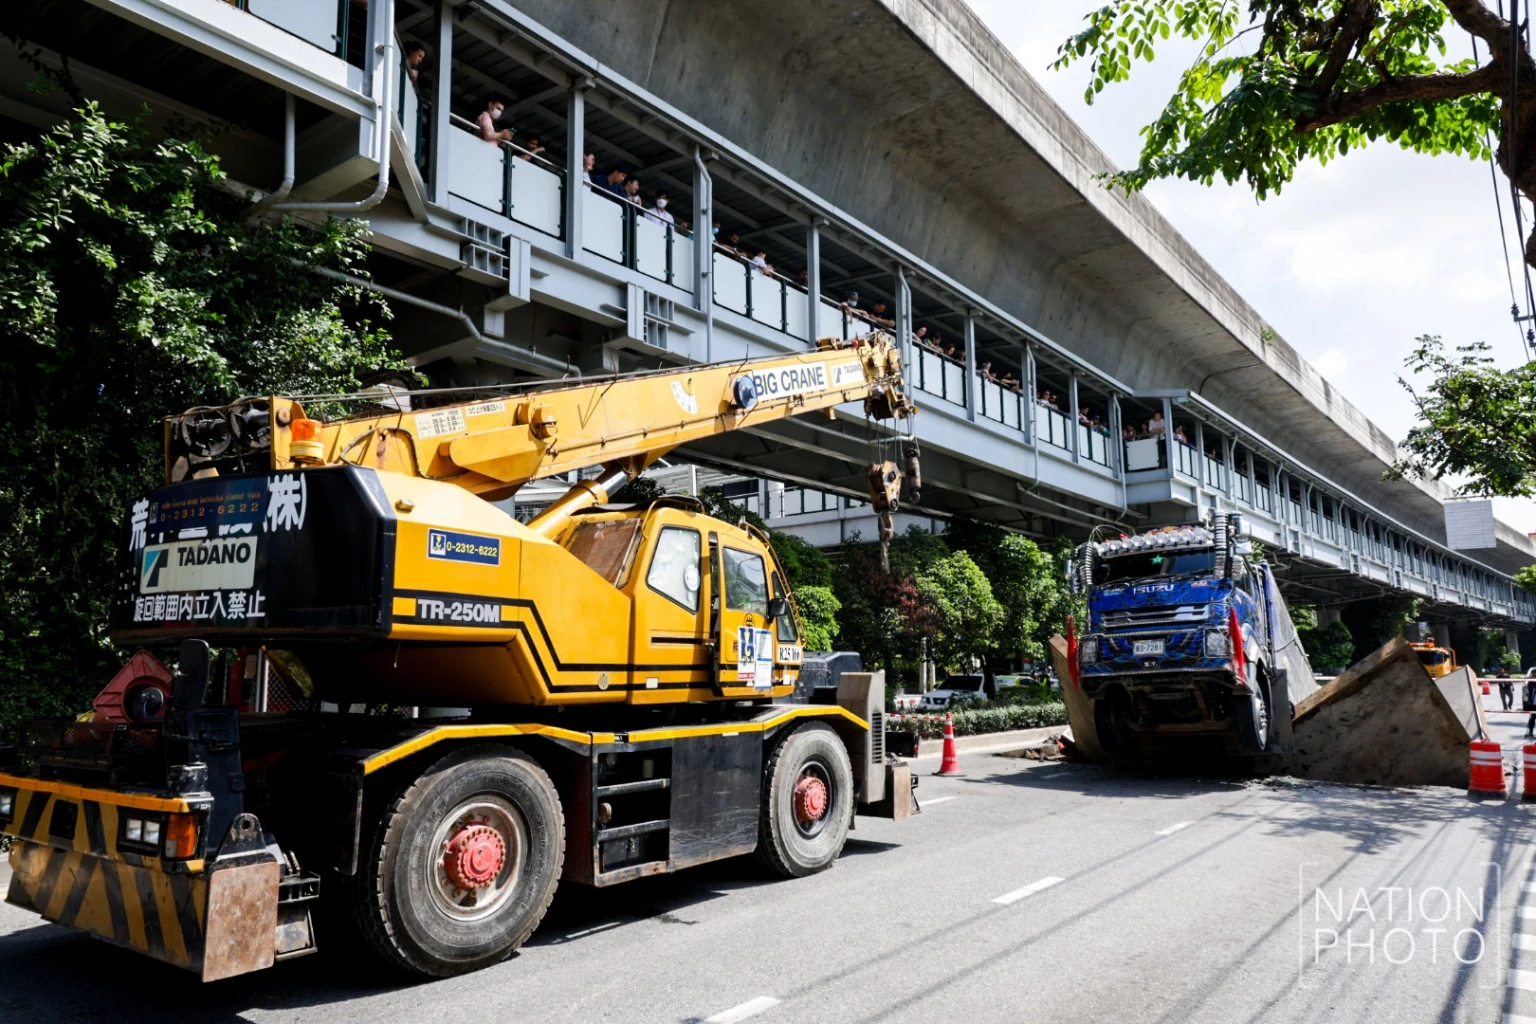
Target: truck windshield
1157, 563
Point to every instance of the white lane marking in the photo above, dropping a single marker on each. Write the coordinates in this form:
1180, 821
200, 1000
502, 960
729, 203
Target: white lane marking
1515, 1018
1527, 912
1175, 827
1032, 888
1524, 980
750, 1008
1523, 941
936, 800
1530, 886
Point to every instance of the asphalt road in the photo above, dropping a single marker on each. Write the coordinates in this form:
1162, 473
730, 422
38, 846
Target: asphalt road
1025, 891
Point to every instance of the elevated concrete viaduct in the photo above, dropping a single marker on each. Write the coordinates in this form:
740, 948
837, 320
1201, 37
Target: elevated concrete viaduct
888, 147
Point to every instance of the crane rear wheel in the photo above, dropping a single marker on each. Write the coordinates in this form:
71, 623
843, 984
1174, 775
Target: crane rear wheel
464, 864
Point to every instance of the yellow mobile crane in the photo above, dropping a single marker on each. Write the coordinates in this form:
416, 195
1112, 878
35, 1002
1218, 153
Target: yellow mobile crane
602, 693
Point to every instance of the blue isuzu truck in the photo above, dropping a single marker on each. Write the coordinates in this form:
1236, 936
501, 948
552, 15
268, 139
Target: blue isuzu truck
1187, 639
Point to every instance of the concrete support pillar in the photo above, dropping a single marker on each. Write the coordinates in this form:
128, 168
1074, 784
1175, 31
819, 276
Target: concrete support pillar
1440, 632
970, 367
575, 174
1327, 615
813, 279
441, 87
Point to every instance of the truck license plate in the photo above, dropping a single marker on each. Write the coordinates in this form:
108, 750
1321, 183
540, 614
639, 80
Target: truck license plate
1144, 648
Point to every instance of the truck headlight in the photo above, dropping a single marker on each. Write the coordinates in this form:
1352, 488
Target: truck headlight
1088, 652
7, 804
1217, 644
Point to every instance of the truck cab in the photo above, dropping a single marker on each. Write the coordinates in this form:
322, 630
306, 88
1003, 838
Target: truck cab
1187, 637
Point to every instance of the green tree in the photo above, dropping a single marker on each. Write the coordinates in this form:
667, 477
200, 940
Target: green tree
818, 616
1525, 578
642, 490
1292, 82
1478, 421
965, 615
1329, 646
1310, 81
805, 565
130, 288
1025, 580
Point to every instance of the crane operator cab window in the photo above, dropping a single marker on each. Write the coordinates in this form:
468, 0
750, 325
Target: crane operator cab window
674, 570
746, 583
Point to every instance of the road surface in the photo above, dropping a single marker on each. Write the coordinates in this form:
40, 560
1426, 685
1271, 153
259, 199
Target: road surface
1025, 891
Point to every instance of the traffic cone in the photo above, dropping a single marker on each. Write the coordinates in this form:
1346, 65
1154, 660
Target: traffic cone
1529, 787
950, 765
1486, 779
1486, 690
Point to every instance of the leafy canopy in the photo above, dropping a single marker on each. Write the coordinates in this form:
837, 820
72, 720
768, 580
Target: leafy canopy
966, 615
130, 289
1294, 81
1478, 422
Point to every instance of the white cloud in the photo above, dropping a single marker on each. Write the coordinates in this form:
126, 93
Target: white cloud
1332, 364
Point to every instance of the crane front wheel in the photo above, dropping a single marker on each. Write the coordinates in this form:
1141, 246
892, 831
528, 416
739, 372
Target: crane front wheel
807, 802
464, 864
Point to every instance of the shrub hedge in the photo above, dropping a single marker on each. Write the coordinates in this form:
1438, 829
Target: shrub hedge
975, 721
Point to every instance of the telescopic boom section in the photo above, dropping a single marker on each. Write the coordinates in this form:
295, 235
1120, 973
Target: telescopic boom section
491, 446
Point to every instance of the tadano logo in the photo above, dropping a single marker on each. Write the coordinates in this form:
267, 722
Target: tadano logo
154, 561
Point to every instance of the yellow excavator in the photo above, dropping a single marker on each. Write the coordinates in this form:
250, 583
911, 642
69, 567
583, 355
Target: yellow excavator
472, 708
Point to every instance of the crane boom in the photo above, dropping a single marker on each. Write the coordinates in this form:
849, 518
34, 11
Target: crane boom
491, 447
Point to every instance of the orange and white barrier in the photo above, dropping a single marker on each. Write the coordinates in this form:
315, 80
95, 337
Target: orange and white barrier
1487, 776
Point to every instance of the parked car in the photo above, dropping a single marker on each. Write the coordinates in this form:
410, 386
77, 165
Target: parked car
956, 689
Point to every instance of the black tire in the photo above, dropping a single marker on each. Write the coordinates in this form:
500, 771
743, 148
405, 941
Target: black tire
1254, 719
1105, 725
402, 899
787, 845
1111, 714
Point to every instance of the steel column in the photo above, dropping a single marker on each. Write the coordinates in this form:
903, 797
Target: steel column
575, 172
812, 279
970, 366
1072, 437
442, 102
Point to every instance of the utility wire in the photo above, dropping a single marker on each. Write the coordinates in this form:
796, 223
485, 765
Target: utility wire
1514, 156
1498, 207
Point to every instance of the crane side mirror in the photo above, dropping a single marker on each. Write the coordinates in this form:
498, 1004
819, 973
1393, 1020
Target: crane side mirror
778, 606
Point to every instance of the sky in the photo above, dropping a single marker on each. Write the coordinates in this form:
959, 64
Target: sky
1349, 263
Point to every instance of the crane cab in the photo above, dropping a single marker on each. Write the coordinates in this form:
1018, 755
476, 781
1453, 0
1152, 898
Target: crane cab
704, 595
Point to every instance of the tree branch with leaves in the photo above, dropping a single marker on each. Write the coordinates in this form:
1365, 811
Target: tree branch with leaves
1279, 82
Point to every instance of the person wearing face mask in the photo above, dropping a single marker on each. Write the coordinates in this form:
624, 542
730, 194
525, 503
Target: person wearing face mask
660, 212
487, 123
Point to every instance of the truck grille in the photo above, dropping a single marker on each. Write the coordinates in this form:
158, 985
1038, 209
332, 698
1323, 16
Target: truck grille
1150, 618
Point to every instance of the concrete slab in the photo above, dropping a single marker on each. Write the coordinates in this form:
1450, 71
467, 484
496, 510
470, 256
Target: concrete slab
1383, 722
1079, 707
1462, 694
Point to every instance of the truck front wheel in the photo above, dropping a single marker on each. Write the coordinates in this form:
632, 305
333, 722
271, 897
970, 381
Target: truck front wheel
807, 802
1252, 714
464, 864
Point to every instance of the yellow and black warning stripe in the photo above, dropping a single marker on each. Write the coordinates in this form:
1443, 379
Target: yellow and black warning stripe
80, 879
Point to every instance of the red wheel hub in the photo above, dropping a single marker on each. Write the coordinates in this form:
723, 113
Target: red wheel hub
473, 856
810, 799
